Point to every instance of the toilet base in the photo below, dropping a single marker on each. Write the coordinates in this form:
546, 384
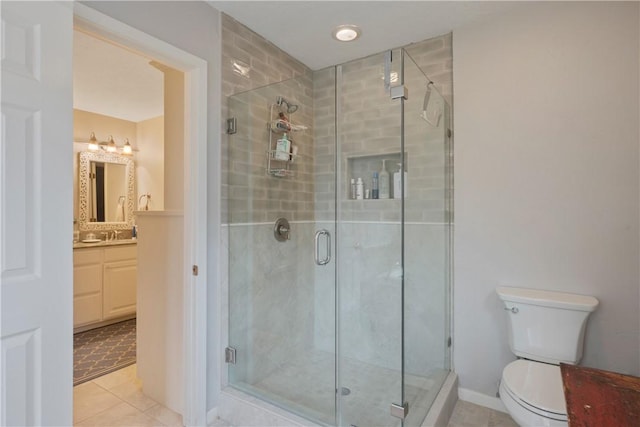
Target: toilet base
523, 416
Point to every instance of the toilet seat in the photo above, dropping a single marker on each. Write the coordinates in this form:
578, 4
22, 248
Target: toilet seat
536, 387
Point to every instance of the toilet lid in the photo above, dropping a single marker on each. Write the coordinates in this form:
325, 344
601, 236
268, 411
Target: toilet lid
536, 384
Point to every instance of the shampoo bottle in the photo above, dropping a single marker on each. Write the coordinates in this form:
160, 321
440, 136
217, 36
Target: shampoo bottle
282, 148
374, 186
383, 182
359, 189
398, 189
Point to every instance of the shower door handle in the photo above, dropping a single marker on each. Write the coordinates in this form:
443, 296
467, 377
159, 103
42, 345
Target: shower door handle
327, 258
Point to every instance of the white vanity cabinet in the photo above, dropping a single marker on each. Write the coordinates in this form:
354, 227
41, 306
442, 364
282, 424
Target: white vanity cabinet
87, 286
120, 277
104, 284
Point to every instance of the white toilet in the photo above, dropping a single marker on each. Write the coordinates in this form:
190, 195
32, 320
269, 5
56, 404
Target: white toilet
545, 328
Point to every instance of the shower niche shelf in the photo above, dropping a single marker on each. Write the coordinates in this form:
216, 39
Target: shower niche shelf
363, 166
279, 124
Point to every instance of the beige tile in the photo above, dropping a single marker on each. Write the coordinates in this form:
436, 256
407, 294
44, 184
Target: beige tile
500, 419
467, 414
90, 399
131, 392
165, 416
121, 376
120, 415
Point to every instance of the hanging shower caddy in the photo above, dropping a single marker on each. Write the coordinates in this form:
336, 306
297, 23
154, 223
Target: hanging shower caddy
280, 123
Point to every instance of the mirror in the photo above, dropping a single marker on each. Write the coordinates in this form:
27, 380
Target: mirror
105, 194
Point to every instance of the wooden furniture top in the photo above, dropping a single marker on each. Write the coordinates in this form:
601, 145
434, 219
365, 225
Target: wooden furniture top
600, 398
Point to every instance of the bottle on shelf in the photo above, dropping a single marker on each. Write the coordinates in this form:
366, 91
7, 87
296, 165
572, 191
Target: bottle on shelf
283, 145
374, 186
398, 190
353, 189
359, 189
383, 182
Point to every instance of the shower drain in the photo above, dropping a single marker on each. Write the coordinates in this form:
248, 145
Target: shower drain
345, 391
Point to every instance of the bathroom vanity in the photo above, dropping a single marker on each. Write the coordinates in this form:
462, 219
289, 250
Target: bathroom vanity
104, 283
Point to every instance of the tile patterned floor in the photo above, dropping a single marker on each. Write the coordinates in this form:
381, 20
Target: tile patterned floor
102, 350
116, 399
467, 414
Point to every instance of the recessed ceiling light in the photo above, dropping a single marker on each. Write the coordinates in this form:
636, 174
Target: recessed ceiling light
346, 33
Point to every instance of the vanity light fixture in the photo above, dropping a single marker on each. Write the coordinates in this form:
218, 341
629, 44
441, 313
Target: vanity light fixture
110, 145
126, 149
93, 142
346, 33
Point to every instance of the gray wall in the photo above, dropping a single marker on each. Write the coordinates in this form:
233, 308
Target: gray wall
546, 176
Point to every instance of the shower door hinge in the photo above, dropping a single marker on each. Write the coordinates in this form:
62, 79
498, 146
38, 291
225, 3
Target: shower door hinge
232, 125
399, 92
230, 355
400, 411
194, 270
449, 342
449, 133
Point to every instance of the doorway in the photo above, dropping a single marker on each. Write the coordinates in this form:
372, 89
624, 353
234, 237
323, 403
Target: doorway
192, 311
118, 162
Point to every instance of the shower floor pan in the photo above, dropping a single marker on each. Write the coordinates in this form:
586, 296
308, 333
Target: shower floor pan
304, 388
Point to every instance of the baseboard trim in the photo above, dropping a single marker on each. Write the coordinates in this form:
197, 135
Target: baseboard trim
212, 415
481, 399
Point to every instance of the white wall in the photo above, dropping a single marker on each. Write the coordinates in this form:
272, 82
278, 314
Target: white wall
150, 162
195, 28
547, 179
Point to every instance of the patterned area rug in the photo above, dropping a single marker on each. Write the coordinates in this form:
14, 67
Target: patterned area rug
103, 350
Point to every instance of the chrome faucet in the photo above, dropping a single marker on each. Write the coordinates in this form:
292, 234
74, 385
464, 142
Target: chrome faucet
115, 234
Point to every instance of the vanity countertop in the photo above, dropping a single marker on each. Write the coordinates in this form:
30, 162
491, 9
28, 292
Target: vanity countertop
80, 245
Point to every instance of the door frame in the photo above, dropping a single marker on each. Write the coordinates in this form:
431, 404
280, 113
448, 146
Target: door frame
195, 197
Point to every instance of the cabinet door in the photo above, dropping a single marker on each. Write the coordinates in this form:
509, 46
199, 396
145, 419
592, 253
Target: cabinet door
87, 294
119, 288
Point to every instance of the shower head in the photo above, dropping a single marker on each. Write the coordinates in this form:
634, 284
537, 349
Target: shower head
427, 95
291, 108
433, 117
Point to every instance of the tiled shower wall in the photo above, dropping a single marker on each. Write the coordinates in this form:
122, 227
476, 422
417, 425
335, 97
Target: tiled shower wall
369, 127
244, 176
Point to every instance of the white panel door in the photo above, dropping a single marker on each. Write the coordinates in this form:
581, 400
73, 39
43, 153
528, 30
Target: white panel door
36, 214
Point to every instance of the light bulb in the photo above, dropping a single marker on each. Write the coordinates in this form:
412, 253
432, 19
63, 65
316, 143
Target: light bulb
127, 147
93, 142
346, 33
111, 147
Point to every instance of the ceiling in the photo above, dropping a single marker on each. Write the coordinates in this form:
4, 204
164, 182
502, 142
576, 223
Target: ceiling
114, 82
303, 28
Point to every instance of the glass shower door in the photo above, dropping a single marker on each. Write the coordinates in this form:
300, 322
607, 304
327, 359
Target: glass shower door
281, 302
369, 244
427, 228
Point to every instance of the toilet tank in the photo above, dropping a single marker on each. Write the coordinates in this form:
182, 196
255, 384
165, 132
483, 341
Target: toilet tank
546, 326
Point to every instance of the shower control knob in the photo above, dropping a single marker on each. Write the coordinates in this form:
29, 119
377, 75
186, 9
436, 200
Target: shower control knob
282, 230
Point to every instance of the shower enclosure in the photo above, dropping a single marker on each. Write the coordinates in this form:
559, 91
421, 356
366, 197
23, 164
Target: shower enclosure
340, 314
